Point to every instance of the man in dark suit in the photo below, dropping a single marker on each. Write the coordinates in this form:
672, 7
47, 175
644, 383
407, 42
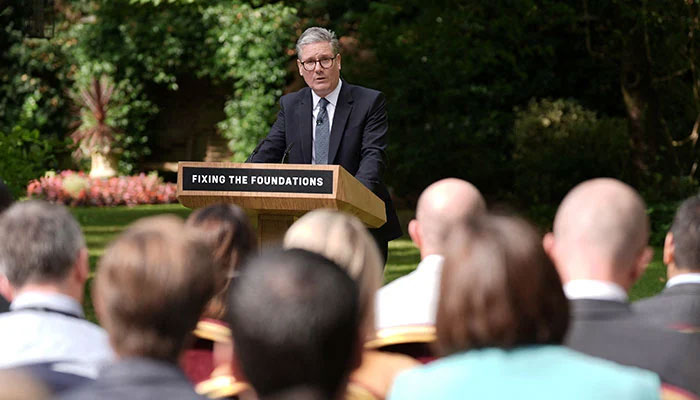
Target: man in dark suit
678, 306
332, 122
599, 246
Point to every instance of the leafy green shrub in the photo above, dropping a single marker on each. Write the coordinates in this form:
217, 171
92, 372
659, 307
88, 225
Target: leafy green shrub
25, 155
559, 143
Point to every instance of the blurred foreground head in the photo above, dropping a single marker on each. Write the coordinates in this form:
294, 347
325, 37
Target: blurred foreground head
226, 229
294, 322
498, 288
342, 238
600, 233
439, 206
41, 244
151, 285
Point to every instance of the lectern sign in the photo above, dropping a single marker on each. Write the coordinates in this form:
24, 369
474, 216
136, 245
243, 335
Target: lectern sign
257, 180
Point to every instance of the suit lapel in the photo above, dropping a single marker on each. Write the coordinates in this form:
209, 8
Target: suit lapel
304, 117
340, 119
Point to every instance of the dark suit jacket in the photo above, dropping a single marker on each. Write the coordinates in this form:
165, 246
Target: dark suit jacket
675, 307
357, 141
610, 330
137, 379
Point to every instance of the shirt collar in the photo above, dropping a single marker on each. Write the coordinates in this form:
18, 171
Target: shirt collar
53, 301
594, 290
432, 261
693, 277
332, 96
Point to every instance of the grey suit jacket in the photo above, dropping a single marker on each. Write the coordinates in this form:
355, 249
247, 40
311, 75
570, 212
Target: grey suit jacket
677, 307
137, 379
611, 330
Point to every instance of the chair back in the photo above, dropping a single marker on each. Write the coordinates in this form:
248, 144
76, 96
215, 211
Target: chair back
412, 340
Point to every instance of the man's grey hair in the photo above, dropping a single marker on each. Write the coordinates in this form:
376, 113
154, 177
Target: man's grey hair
39, 243
317, 34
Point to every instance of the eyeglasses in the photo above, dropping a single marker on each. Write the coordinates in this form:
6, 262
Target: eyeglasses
310, 65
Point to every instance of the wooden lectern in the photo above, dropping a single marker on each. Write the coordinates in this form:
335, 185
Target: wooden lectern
274, 195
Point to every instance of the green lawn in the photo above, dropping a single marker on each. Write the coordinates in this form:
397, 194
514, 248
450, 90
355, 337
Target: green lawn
101, 225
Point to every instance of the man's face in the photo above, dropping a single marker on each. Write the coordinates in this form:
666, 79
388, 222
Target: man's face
321, 80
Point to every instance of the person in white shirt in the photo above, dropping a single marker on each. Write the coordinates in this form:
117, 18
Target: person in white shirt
678, 305
412, 299
599, 247
43, 256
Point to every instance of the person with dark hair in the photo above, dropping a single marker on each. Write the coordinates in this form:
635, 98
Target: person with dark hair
43, 256
296, 328
5, 202
151, 286
599, 245
678, 305
333, 122
227, 231
501, 319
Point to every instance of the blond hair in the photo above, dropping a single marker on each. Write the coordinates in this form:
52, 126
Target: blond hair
343, 239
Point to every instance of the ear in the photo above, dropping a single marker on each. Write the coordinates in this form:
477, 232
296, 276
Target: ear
82, 266
338, 60
548, 244
641, 265
414, 232
6, 289
301, 67
669, 256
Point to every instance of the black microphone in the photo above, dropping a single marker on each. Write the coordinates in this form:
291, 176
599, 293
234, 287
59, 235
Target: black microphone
286, 152
255, 150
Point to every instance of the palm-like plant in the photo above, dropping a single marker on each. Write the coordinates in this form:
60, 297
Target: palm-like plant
95, 136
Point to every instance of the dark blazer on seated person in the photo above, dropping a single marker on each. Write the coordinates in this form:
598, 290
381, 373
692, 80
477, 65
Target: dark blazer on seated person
357, 140
137, 379
676, 307
610, 330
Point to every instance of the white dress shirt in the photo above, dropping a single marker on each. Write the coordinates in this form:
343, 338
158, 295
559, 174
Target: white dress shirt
49, 327
411, 299
594, 290
683, 278
330, 110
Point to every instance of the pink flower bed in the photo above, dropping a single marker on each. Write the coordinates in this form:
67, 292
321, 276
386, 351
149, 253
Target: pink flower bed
77, 189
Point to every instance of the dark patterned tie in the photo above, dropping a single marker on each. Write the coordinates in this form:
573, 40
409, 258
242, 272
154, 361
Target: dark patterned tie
322, 133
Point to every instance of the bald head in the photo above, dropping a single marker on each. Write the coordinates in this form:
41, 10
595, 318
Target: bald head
440, 204
601, 231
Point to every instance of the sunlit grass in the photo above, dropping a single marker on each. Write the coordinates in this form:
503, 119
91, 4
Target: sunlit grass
102, 225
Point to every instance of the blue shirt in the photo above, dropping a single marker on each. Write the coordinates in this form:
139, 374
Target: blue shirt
49, 327
529, 372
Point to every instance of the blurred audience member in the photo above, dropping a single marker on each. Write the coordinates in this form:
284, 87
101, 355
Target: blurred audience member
412, 299
151, 286
226, 229
678, 306
43, 256
599, 246
501, 318
5, 202
294, 318
343, 239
